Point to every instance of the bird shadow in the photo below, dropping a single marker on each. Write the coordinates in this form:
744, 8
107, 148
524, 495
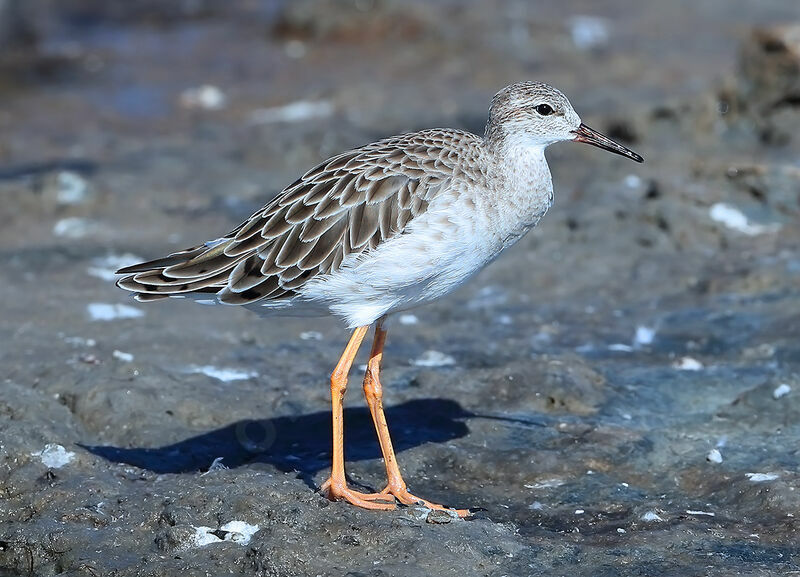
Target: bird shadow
299, 443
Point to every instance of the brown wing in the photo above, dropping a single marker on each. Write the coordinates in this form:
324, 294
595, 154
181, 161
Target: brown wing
346, 205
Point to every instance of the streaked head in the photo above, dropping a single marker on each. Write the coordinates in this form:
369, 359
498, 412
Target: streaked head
535, 114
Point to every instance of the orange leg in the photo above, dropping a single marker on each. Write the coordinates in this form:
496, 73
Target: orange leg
336, 485
373, 391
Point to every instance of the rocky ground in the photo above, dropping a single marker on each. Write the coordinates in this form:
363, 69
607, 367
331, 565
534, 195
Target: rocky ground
620, 393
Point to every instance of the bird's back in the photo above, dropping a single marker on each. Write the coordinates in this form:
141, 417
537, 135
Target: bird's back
341, 209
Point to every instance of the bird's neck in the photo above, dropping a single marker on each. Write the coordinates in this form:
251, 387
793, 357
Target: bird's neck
521, 188
516, 152
524, 168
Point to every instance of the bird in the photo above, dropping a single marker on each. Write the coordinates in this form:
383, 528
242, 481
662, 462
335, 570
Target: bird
381, 229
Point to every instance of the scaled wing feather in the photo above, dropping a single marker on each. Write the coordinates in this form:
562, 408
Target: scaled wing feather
346, 205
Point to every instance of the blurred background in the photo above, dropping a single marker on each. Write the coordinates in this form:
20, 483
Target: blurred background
634, 358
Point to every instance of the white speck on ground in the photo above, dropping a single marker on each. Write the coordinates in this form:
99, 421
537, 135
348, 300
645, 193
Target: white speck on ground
714, 456
206, 97
311, 336
589, 32
72, 188
644, 336
781, 391
235, 531
239, 531
299, 111
225, 375
203, 536
121, 356
633, 181
295, 49
106, 267
651, 517
536, 506
688, 364
620, 347
74, 227
441, 517
735, 219
408, 319
761, 477
216, 465
621, 531
706, 513
579, 511
80, 342
434, 359
54, 456
546, 483
109, 312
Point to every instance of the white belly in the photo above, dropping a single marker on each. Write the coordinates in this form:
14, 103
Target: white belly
440, 250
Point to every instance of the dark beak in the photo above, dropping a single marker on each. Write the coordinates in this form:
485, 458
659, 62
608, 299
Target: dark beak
591, 136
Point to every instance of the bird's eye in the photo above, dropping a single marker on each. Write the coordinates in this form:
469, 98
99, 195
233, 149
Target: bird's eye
544, 109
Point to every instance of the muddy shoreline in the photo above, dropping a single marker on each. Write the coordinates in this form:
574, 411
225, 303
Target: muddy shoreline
620, 392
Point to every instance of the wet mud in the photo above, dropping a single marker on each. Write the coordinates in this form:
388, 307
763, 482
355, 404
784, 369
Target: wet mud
619, 393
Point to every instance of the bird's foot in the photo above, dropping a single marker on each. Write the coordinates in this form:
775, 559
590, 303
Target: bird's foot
401, 493
336, 490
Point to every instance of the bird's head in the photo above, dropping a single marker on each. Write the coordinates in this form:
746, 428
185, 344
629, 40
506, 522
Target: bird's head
534, 114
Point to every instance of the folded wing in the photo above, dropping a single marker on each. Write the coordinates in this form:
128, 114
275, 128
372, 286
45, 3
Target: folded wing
346, 205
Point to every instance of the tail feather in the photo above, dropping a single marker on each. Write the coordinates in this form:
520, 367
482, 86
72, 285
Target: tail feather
235, 279
212, 260
203, 269
147, 298
160, 263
